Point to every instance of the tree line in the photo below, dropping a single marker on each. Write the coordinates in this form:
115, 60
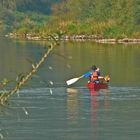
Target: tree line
108, 18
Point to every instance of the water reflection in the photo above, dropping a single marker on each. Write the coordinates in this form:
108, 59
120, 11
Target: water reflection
7, 112
103, 92
72, 103
94, 111
96, 102
98, 106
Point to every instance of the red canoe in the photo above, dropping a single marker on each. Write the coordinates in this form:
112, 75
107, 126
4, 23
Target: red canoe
97, 86
101, 84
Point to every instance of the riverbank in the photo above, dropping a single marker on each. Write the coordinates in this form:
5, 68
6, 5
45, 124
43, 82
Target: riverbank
95, 38
100, 39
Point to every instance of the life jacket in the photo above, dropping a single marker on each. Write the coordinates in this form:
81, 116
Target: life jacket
94, 76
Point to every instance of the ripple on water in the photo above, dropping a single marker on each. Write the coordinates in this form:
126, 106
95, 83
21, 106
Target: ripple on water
124, 93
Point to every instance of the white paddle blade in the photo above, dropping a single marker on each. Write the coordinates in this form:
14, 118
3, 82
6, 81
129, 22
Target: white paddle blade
71, 81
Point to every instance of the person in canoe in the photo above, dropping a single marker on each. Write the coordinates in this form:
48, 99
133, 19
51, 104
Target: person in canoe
93, 74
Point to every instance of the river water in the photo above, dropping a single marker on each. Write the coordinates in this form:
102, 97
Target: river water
47, 109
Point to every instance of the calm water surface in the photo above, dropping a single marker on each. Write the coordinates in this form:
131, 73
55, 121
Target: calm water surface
43, 111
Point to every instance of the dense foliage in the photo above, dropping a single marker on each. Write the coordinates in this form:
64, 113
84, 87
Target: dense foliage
19, 14
109, 18
119, 18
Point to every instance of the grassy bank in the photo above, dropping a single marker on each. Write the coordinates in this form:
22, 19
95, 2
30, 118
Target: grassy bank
71, 30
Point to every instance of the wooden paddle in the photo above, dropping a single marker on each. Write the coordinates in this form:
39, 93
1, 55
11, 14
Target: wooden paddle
73, 80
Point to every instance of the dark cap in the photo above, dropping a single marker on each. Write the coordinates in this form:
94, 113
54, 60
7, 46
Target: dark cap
93, 67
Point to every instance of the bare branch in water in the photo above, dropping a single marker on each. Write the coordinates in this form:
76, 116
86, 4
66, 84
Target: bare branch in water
24, 78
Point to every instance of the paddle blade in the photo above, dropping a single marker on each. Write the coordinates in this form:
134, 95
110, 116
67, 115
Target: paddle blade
71, 81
